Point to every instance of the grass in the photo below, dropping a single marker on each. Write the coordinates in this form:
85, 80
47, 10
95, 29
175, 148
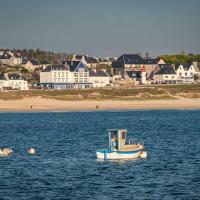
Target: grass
139, 93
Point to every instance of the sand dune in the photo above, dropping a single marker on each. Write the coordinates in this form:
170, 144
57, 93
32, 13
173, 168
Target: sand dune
41, 104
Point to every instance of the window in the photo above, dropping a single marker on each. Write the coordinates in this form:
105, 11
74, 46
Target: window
55, 74
180, 74
185, 73
85, 74
76, 74
76, 80
63, 74
80, 74
172, 77
81, 80
191, 73
166, 76
55, 80
58, 74
123, 135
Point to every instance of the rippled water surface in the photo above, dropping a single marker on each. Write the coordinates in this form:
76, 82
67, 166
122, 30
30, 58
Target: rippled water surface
65, 165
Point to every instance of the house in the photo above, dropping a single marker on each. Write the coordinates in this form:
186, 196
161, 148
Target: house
99, 78
106, 61
72, 74
166, 75
185, 72
80, 74
31, 65
10, 59
151, 64
127, 62
91, 62
55, 77
13, 81
130, 62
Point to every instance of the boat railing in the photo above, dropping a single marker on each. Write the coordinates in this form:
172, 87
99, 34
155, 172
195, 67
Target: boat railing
135, 141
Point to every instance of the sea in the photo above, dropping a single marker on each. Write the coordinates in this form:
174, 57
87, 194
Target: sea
65, 165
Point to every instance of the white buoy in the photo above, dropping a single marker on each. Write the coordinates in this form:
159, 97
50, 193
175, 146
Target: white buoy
143, 154
31, 150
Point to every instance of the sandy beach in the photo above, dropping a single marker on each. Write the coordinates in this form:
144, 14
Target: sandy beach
41, 104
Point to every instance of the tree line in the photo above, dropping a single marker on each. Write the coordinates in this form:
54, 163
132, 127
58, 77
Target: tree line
40, 55
180, 59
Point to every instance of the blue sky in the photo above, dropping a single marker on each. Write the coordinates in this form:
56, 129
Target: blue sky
101, 27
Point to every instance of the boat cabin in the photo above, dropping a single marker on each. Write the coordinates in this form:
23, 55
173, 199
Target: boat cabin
117, 141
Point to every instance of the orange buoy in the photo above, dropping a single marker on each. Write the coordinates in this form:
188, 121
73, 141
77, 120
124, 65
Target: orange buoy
143, 154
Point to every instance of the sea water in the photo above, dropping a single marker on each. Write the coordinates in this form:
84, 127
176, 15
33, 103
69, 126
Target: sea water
65, 164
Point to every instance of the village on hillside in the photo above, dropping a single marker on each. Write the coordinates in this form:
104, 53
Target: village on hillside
17, 72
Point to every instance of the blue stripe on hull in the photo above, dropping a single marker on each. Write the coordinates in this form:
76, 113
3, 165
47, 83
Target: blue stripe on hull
105, 151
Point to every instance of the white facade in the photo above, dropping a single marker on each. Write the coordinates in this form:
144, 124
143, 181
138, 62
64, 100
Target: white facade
15, 82
165, 78
186, 74
18, 84
61, 77
99, 81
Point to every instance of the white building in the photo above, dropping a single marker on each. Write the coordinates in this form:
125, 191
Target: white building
166, 75
13, 81
10, 59
185, 72
99, 78
73, 74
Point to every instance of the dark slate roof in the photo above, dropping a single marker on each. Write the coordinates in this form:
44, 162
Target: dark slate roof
14, 76
55, 68
98, 73
133, 74
91, 60
117, 65
152, 61
177, 66
73, 65
185, 66
34, 62
166, 69
131, 59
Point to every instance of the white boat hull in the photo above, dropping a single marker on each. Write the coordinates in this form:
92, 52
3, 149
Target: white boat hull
107, 154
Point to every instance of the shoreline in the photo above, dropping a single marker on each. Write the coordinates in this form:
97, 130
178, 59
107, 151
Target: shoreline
52, 105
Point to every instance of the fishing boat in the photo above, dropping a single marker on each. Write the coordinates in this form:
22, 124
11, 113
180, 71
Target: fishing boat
119, 148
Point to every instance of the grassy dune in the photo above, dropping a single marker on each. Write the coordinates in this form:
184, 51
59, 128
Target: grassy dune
137, 93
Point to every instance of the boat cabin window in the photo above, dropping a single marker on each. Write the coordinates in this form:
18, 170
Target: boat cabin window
113, 134
123, 135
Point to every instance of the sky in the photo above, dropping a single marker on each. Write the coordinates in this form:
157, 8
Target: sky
101, 27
